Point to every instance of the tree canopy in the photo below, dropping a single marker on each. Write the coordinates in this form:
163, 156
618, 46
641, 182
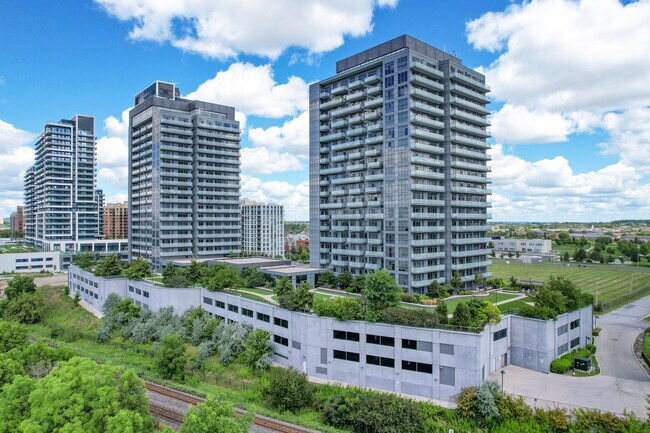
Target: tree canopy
381, 291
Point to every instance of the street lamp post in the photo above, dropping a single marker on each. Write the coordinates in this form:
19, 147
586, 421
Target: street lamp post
503, 373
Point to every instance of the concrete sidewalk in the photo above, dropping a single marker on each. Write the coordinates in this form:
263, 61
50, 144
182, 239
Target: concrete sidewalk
605, 393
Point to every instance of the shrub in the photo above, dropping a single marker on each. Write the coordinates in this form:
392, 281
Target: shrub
18, 285
466, 402
230, 339
258, 350
138, 269
514, 408
537, 312
27, 308
288, 389
419, 318
556, 419
428, 301
591, 348
12, 335
170, 358
587, 420
465, 292
487, 399
410, 298
109, 266
595, 332
177, 281
372, 412
341, 308
561, 365
380, 292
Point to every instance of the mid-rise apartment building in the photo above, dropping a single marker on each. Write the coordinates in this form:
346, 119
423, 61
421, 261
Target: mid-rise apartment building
183, 177
262, 228
101, 201
116, 220
17, 221
398, 166
60, 188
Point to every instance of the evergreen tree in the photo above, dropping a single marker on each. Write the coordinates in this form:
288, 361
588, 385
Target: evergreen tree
170, 358
109, 266
442, 312
456, 281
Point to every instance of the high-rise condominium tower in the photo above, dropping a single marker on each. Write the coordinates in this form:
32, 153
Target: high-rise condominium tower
60, 201
398, 174
183, 177
262, 228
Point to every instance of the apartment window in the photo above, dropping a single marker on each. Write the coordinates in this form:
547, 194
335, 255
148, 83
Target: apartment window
281, 340
446, 349
389, 68
562, 349
409, 344
207, 300
138, 291
233, 308
575, 342
402, 77
447, 376
401, 63
389, 81
380, 339
280, 322
420, 367
500, 334
247, 312
346, 356
562, 329
345, 335
263, 317
131, 289
381, 361
220, 304
402, 104
575, 324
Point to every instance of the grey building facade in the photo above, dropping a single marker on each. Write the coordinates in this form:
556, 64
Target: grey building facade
398, 173
431, 363
61, 204
183, 177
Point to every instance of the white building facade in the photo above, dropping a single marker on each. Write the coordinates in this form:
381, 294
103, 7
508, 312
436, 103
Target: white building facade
538, 246
262, 228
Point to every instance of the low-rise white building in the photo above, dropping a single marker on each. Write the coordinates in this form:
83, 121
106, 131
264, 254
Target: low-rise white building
48, 261
539, 246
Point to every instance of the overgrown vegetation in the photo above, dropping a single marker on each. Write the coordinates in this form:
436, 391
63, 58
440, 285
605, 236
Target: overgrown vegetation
558, 295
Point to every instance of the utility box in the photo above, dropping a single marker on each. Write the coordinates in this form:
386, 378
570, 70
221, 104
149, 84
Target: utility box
582, 364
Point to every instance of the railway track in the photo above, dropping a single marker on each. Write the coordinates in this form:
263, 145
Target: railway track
177, 417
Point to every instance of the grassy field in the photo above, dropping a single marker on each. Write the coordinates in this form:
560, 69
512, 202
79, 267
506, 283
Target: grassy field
646, 344
613, 283
519, 303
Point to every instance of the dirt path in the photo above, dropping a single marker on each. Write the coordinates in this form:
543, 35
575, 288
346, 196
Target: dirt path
40, 281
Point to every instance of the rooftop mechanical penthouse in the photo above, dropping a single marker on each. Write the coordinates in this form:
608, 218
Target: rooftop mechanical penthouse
398, 173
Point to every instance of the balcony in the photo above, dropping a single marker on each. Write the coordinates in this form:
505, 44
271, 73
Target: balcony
356, 96
470, 228
469, 165
467, 241
427, 187
347, 252
355, 84
432, 162
324, 128
338, 124
426, 121
470, 216
427, 242
426, 108
324, 95
419, 93
426, 202
355, 155
347, 145
371, 79
333, 170
339, 262
332, 137
426, 134
427, 82
427, 269
338, 192
426, 174
428, 216
356, 131
374, 177
356, 167
468, 190
470, 178
427, 229
374, 90
468, 203
464, 266
339, 90
355, 119
347, 110
372, 103
469, 129
456, 150
344, 180
455, 88
375, 127
373, 115
377, 139
324, 116
462, 78
339, 158
356, 241
423, 67
378, 254
324, 160
324, 149
331, 104
427, 148
375, 164
332, 205
332, 240
469, 117
469, 105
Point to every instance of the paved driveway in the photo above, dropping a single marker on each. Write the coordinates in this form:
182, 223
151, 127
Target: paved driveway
620, 328
606, 393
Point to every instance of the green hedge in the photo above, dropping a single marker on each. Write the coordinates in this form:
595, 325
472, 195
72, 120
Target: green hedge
565, 363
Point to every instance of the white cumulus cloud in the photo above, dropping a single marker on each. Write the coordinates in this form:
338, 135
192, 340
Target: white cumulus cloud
226, 28
16, 156
261, 160
253, 91
294, 197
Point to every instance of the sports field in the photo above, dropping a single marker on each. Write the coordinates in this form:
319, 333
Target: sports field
613, 284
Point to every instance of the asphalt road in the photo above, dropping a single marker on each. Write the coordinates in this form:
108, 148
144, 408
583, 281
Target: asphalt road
620, 328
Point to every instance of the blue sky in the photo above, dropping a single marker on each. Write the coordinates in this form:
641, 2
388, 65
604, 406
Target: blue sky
571, 122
